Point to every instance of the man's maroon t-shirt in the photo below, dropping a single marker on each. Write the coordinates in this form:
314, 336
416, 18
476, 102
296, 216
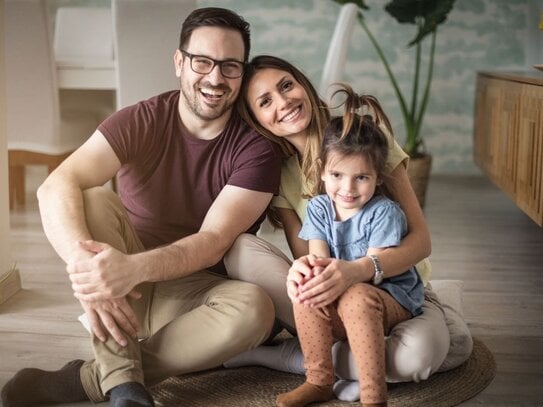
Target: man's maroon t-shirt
169, 178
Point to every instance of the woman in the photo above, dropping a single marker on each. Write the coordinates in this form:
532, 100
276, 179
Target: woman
280, 102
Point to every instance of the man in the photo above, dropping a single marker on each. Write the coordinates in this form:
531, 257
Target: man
192, 178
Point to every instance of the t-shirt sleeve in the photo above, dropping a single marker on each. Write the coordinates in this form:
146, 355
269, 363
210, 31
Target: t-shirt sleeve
126, 131
314, 225
388, 225
257, 166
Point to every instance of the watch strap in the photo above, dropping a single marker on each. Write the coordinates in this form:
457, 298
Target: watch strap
378, 274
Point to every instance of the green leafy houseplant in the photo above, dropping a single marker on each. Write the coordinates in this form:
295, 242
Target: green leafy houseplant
426, 15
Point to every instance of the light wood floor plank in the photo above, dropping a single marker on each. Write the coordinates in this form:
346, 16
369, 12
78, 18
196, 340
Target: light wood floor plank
478, 235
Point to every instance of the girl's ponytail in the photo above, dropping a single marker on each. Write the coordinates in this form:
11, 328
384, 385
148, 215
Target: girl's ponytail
365, 106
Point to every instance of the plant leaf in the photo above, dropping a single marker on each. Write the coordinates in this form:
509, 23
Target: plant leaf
431, 12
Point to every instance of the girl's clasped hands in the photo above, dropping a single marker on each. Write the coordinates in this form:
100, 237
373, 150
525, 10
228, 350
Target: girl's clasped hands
318, 281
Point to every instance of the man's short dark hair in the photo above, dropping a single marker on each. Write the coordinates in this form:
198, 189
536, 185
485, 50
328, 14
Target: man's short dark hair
215, 17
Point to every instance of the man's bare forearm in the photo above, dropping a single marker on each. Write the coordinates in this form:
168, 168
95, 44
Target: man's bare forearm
62, 214
183, 257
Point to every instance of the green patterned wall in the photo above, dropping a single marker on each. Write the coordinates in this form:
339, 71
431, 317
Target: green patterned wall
478, 35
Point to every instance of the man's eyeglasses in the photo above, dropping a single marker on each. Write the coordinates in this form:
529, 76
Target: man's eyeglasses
230, 68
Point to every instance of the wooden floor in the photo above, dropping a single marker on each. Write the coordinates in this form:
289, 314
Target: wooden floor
479, 236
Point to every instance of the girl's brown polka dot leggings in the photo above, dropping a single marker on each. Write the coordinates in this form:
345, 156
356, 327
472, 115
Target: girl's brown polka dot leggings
363, 315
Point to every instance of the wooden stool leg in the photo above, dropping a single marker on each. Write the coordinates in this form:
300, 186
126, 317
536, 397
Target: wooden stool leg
11, 190
16, 185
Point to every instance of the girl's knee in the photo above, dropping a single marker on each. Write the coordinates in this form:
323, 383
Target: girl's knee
359, 296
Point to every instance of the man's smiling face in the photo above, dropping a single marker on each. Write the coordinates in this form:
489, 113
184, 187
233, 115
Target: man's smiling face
210, 96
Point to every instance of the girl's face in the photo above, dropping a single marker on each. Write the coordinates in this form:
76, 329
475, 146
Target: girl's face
350, 182
279, 102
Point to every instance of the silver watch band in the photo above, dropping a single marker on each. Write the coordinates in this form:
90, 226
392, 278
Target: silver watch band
378, 275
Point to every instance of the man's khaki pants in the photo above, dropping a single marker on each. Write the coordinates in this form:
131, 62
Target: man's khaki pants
189, 324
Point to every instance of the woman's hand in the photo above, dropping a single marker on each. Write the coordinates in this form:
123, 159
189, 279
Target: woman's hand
331, 278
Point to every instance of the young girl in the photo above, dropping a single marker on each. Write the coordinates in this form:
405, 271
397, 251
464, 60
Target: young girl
351, 220
279, 101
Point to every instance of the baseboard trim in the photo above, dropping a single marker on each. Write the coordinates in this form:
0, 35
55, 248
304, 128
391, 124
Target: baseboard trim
10, 284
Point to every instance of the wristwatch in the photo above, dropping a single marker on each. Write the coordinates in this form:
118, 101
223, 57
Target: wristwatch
378, 275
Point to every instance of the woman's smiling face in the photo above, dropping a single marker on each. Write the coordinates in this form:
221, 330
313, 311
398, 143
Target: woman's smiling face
279, 103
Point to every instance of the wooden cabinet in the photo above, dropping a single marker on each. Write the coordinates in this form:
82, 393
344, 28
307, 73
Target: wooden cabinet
508, 136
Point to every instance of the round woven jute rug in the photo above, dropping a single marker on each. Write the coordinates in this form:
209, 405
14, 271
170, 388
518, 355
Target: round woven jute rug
258, 386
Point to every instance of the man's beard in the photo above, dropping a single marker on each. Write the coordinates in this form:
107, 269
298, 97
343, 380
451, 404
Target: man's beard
195, 104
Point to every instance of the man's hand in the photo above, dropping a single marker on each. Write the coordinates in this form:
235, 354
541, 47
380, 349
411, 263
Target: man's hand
106, 316
108, 274
110, 316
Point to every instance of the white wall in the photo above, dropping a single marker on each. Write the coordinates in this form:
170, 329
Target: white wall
5, 258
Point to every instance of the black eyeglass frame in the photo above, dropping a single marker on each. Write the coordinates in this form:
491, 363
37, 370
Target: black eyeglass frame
216, 62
